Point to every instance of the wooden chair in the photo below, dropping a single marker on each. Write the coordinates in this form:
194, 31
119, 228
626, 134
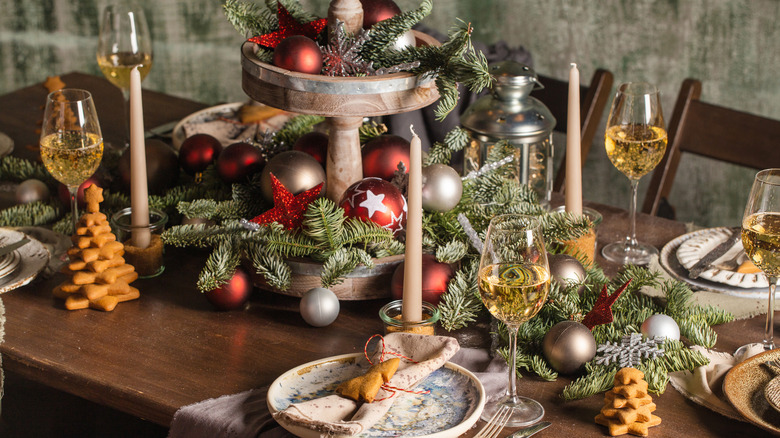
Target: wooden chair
593, 100
714, 132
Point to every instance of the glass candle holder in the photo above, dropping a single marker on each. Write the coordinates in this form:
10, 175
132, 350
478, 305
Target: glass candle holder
585, 244
148, 262
392, 318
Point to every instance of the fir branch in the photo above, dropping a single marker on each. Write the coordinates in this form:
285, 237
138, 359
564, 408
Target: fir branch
451, 252
386, 249
220, 266
323, 221
342, 262
595, 380
460, 305
371, 130
18, 169
270, 265
195, 235
199, 208
384, 33
455, 140
32, 214
250, 19
367, 233
290, 244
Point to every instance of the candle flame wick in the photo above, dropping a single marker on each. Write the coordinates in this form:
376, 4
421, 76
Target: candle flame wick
573, 65
411, 128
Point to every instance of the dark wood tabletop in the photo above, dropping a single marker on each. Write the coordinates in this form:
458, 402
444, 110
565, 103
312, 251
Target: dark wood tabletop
170, 348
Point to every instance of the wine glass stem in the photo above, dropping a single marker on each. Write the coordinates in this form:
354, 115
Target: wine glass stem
126, 95
513, 398
74, 205
769, 330
631, 241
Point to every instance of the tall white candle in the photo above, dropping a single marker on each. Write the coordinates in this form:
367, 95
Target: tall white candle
139, 193
573, 187
411, 307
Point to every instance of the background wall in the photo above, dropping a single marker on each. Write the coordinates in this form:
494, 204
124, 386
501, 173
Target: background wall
731, 45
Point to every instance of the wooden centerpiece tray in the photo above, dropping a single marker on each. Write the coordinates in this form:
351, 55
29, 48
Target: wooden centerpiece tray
344, 102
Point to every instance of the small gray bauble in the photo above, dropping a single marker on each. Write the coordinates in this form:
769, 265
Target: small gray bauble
568, 345
319, 307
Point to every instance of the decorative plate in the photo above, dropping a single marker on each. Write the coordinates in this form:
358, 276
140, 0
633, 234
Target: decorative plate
772, 393
34, 257
226, 111
744, 387
668, 259
701, 243
453, 405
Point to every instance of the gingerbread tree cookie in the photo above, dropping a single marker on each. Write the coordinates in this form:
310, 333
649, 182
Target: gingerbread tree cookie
628, 407
99, 276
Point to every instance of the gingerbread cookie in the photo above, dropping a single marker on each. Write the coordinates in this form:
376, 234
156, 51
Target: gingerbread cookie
99, 278
628, 408
367, 386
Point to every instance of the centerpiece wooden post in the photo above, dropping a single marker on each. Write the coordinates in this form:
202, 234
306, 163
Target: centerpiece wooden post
350, 12
344, 164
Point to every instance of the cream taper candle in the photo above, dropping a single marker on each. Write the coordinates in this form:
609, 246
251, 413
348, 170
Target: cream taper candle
573, 187
139, 193
411, 307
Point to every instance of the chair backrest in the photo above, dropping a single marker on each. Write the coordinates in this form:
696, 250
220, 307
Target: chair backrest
715, 132
593, 100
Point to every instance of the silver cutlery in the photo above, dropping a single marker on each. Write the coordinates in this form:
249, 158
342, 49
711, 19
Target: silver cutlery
13, 246
496, 423
530, 430
164, 130
731, 264
706, 261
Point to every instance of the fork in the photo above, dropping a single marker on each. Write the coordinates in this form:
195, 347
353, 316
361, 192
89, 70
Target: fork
729, 265
496, 423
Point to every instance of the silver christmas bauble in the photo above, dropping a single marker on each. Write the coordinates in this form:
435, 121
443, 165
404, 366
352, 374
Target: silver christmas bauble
565, 268
442, 188
319, 307
661, 325
31, 190
568, 345
404, 41
296, 170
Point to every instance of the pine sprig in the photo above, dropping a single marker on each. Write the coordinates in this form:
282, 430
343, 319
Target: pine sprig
342, 262
270, 265
220, 266
386, 32
34, 213
249, 18
441, 152
18, 169
461, 305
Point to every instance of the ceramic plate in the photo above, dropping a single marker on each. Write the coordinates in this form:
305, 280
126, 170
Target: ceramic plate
702, 242
13, 259
772, 393
668, 259
744, 387
227, 111
453, 405
33, 258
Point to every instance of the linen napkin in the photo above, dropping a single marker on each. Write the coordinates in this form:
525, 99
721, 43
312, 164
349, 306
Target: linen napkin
420, 355
705, 384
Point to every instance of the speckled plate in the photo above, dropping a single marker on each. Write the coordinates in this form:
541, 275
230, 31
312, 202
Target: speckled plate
772, 393
744, 387
702, 242
668, 259
453, 405
33, 258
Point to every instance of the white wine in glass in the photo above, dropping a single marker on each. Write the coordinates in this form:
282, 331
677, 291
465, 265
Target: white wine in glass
761, 237
71, 140
514, 280
635, 141
124, 43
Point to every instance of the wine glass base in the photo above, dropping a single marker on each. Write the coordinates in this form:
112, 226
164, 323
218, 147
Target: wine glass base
620, 252
525, 411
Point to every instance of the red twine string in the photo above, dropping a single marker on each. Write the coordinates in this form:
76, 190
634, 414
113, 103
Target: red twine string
391, 389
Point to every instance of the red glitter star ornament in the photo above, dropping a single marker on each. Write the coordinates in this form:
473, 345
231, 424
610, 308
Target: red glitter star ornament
601, 313
288, 208
289, 27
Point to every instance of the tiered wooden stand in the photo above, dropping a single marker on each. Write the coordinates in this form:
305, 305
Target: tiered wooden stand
344, 101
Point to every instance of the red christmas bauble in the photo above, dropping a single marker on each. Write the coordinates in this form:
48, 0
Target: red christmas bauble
64, 194
233, 294
435, 278
238, 162
299, 53
197, 152
315, 144
162, 167
382, 154
376, 200
375, 11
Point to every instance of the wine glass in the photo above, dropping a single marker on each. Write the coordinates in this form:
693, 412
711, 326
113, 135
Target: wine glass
761, 237
124, 43
635, 141
514, 280
71, 141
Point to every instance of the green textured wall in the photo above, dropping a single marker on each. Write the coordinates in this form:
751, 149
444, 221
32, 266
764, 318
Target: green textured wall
731, 45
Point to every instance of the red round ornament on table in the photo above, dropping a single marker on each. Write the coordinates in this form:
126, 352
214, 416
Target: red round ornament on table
376, 200
435, 278
233, 294
298, 53
197, 152
315, 144
382, 154
375, 11
238, 162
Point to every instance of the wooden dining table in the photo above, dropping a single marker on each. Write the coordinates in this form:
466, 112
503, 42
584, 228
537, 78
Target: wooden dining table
171, 348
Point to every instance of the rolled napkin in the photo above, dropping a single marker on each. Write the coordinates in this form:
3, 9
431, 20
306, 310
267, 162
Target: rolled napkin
420, 356
704, 384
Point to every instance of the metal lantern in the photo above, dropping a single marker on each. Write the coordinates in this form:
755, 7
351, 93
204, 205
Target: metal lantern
510, 113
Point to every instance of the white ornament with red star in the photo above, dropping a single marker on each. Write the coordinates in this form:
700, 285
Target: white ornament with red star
376, 200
